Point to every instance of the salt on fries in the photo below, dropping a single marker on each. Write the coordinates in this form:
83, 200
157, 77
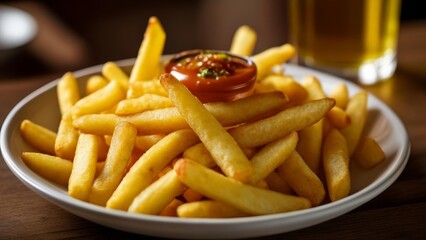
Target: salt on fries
142, 142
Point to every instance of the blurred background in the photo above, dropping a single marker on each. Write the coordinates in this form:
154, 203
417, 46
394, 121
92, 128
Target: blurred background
76, 34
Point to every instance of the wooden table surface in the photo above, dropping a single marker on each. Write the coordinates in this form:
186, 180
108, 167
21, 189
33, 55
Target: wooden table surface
398, 213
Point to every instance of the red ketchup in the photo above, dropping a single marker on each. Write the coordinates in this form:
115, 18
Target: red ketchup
214, 75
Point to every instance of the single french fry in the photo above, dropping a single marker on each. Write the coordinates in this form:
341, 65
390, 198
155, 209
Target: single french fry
368, 153
99, 101
314, 87
39, 137
341, 94
278, 183
190, 195
94, 83
171, 209
99, 124
208, 209
223, 148
153, 199
271, 57
291, 119
243, 41
139, 88
84, 167
302, 179
357, 111
251, 199
145, 102
114, 73
247, 109
336, 165
200, 154
271, 156
120, 151
144, 143
68, 92
147, 167
150, 51
295, 91
338, 117
310, 138
66, 138
166, 120
53, 168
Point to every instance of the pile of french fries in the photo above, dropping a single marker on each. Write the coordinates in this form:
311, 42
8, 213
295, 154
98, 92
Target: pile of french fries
141, 142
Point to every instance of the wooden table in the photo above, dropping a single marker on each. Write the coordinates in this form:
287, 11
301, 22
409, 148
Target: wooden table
397, 213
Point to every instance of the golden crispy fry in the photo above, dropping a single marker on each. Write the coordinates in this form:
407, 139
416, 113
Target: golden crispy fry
247, 198
171, 209
310, 138
120, 151
247, 109
94, 83
84, 167
336, 165
99, 101
144, 143
341, 94
243, 41
271, 156
310, 143
150, 51
278, 183
114, 73
368, 154
272, 56
100, 124
302, 179
38, 136
162, 121
143, 172
338, 117
223, 148
357, 111
200, 154
295, 91
190, 195
139, 88
153, 199
291, 119
208, 209
54, 168
145, 102
68, 92
66, 139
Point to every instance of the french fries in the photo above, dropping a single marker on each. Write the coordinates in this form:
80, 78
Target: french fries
291, 119
120, 151
51, 167
252, 200
39, 137
244, 41
141, 142
336, 165
83, 167
147, 167
223, 148
150, 51
68, 92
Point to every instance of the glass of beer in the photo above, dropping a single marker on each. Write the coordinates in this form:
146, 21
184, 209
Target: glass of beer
355, 39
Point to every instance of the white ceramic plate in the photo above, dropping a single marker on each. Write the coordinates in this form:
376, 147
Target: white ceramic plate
41, 107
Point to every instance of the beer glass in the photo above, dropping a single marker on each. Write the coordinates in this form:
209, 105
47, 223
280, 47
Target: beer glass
355, 39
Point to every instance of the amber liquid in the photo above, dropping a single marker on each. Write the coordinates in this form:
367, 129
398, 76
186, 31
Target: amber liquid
343, 34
